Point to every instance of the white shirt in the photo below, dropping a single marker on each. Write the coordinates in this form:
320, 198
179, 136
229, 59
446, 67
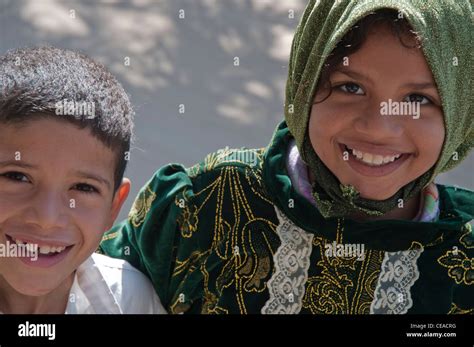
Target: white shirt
104, 285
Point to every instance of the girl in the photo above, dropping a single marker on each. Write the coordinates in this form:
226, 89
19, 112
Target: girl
340, 213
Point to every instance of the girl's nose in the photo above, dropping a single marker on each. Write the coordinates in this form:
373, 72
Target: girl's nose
372, 123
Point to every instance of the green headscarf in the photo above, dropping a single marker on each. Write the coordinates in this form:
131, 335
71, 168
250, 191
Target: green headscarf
446, 31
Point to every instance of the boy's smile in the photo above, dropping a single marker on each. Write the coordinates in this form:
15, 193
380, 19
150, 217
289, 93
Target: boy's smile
49, 252
364, 142
56, 192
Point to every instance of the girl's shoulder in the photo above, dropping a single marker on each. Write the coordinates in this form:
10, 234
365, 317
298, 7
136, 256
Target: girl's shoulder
456, 201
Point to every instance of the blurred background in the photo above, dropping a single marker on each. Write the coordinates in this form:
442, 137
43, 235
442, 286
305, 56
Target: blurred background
168, 53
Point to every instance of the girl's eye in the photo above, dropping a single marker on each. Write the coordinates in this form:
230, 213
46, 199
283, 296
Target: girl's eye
422, 100
86, 188
15, 176
351, 88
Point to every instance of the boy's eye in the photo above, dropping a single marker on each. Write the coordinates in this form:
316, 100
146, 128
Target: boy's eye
422, 100
351, 88
15, 176
86, 188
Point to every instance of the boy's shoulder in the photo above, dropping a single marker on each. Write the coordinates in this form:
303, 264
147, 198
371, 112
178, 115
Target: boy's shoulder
102, 277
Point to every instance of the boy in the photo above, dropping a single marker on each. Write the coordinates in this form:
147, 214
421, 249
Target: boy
65, 130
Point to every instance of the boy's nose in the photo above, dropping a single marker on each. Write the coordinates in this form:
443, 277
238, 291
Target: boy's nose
47, 210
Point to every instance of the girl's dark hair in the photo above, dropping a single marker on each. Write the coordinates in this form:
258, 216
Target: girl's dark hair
356, 36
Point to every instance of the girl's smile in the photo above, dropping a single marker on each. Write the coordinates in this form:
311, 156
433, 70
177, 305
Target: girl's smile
373, 163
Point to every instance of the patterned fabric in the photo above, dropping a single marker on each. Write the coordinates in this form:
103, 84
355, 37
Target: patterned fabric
209, 238
292, 260
399, 270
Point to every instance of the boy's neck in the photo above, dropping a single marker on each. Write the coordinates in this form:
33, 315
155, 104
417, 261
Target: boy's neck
55, 302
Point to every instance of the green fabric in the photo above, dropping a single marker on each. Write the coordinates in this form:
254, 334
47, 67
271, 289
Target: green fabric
186, 225
447, 33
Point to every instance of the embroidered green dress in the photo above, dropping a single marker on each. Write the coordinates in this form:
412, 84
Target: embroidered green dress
233, 235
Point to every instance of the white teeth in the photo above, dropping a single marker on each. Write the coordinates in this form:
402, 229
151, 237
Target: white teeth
377, 159
357, 153
44, 249
367, 158
373, 159
41, 249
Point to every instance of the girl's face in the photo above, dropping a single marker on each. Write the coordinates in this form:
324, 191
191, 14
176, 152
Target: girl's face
382, 126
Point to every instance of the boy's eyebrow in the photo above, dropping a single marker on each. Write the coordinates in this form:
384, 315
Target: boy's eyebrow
88, 175
80, 173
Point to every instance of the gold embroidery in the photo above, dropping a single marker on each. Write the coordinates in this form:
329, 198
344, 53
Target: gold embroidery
141, 206
467, 239
461, 267
343, 285
435, 242
228, 156
210, 300
455, 309
240, 239
109, 236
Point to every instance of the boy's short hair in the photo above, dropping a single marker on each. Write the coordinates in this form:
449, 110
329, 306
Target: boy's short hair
52, 82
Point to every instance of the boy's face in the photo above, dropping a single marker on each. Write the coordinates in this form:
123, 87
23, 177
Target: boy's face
353, 116
59, 194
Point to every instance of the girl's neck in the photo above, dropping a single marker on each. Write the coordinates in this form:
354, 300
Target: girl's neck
54, 302
408, 212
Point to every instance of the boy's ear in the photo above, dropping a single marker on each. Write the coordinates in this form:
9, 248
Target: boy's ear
119, 198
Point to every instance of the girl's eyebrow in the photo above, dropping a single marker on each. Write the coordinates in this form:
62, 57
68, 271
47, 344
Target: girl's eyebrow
353, 74
420, 85
17, 163
411, 85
